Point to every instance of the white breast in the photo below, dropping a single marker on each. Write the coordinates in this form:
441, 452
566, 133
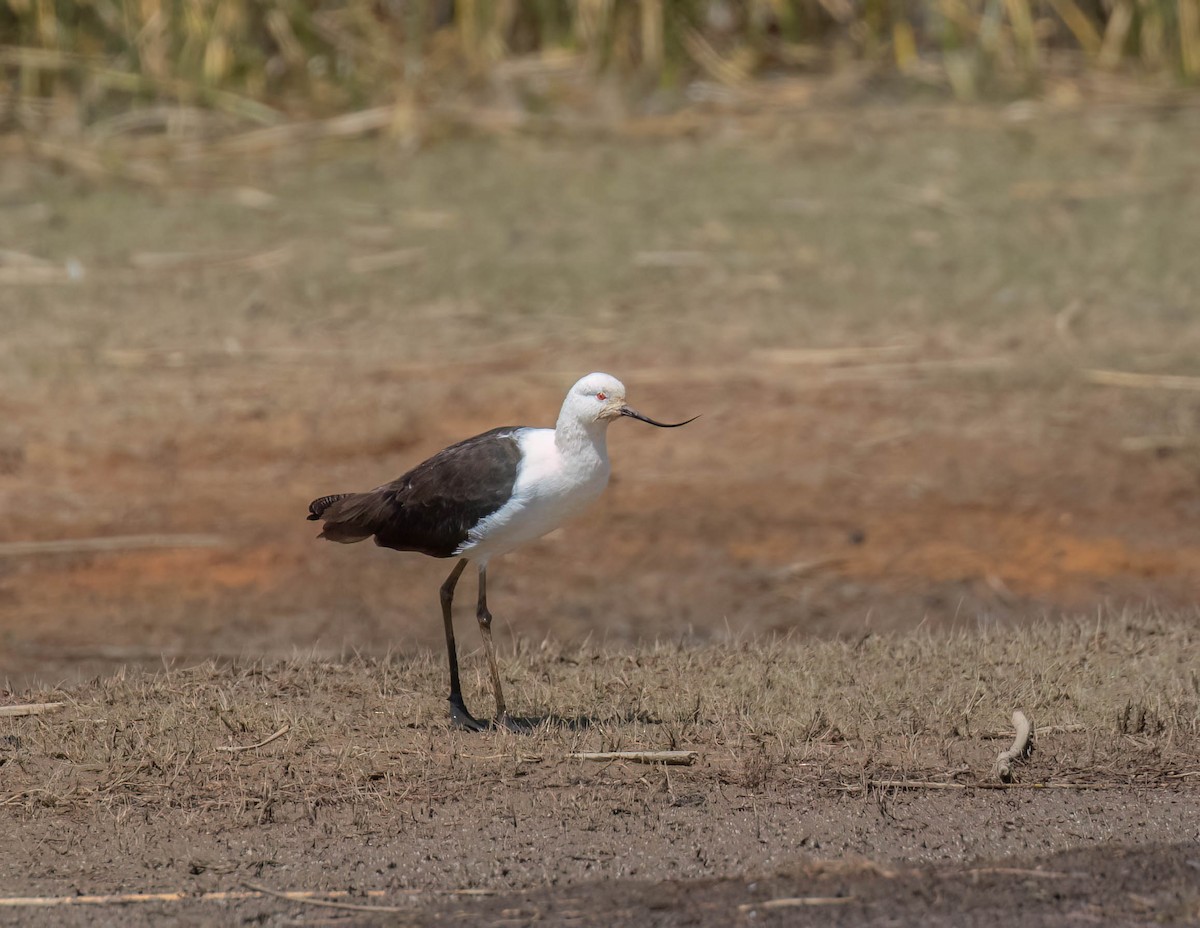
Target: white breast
551, 487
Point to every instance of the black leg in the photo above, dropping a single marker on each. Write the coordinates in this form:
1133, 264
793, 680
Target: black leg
485, 627
458, 709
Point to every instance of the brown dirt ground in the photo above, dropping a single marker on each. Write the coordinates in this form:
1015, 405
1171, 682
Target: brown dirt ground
365, 793
967, 477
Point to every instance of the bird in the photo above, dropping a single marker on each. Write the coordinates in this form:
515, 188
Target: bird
485, 496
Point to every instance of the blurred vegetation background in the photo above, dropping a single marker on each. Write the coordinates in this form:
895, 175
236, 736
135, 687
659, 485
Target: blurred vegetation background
85, 62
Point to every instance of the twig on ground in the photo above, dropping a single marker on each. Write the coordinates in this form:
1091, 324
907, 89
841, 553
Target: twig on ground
678, 758
1022, 747
1018, 871
1137, 444
850, 354
348, 125
401, 257
233, 749
111, 543
116, 899
89, 163
253, 891
308, 899
30, 708
1038, 731
1142, 381
1087, 188
1065, 319
986, 784
671, 259
36, 274
11, 258
803, 568
794, 902
889, 438
927, 366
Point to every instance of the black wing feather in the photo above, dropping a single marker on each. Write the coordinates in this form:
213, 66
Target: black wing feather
433, 507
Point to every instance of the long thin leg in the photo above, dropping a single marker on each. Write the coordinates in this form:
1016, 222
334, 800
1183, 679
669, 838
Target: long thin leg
485, 626
458, 709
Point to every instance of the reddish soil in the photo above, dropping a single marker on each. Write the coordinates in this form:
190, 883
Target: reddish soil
905, 531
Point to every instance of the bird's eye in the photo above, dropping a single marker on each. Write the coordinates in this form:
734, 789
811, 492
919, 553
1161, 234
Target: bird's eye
601, 396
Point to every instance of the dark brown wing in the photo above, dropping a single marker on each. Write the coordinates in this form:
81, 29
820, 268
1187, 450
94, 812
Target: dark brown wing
432, 508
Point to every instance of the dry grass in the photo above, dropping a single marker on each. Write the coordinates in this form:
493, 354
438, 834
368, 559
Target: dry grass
1116, 701
255, 61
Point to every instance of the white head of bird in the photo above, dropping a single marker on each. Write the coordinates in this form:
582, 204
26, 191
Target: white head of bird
595, 401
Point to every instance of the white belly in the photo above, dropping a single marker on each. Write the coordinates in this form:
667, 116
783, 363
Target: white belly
550, 489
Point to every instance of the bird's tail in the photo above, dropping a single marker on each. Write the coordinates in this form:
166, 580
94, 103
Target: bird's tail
318, 506
343, 527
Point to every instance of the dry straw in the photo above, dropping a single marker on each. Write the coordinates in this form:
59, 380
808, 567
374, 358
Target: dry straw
257, 60
1117, 701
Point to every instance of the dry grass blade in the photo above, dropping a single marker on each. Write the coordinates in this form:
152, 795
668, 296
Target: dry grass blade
234, 749
671, 259
1115, 35
1081, 27
1189, 37
30, 708
56, 60
675, 758
189, 260
710, 61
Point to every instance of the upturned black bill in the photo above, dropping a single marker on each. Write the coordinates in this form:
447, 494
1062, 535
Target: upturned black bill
634, 414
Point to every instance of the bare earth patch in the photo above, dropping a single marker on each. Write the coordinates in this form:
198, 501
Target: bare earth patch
887, 317
908, 486
343, 777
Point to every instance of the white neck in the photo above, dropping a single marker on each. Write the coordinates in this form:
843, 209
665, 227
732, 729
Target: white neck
578, 438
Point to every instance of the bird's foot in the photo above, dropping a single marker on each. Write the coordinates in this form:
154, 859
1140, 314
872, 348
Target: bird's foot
461, 718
